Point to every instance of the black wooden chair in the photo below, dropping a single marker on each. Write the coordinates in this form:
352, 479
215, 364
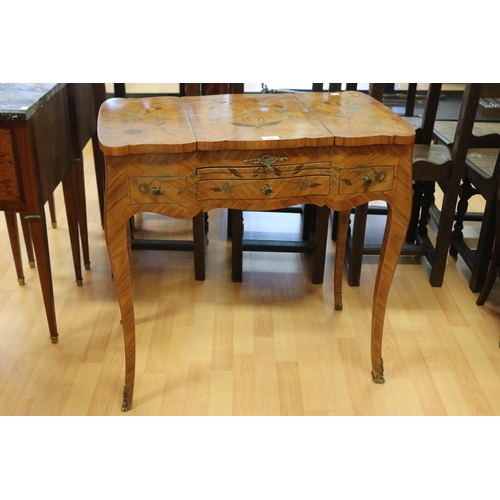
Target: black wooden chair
430, 166
484, 134
494, 267
435, 158
480, 177
432, 163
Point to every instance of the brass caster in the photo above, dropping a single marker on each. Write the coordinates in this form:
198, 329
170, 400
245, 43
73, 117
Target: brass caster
21, 281
87, 266
54, 225
79, 282
32, 264
54, 339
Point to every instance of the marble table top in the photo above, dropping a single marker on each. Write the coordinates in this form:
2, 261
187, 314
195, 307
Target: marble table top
19, 101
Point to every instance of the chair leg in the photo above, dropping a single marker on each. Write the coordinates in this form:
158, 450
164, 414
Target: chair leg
495, 260
428, 199
357, 245
411, 235
484, 248
320, 242
343, 219
335, 224
466, 192
237, 246
199, 244
309, 221
11, 220
229, 223
490, 278
443, 240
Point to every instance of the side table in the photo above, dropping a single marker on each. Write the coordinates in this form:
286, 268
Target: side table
35, 156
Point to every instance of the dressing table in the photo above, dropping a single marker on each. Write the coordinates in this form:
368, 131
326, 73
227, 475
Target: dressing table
180, 156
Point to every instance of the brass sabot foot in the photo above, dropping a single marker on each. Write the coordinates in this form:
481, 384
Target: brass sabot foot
379, 378
127, 402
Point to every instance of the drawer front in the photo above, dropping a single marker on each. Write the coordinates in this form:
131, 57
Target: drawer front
9, 187
263, 171
366, 179
158, 190
247, 189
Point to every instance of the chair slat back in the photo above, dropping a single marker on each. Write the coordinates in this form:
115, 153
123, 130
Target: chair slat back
464, 138
473, 94
426, 131
490, 90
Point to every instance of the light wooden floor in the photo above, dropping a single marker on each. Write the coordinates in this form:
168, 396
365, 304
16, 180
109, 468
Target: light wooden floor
272, 345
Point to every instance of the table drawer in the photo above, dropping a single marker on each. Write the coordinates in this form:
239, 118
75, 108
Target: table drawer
235, 189
257, 170
157, 190
366, 179
9, 187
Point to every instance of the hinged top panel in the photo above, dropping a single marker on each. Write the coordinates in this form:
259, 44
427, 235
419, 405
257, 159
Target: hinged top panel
253, 121
144, 125
356, 119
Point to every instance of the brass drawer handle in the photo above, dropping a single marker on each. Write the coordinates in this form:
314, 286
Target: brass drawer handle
157, 189
366, 180
266, 190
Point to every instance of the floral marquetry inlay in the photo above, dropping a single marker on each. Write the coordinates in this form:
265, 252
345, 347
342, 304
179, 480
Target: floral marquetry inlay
242, 121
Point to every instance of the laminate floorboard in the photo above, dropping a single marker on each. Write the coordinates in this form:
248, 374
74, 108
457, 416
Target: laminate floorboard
271, 345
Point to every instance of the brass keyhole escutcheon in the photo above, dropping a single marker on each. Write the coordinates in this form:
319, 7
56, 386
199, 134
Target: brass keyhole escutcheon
366, 180
157, 190
266, 190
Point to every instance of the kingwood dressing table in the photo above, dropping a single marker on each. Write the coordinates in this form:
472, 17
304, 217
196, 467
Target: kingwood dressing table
180, 156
